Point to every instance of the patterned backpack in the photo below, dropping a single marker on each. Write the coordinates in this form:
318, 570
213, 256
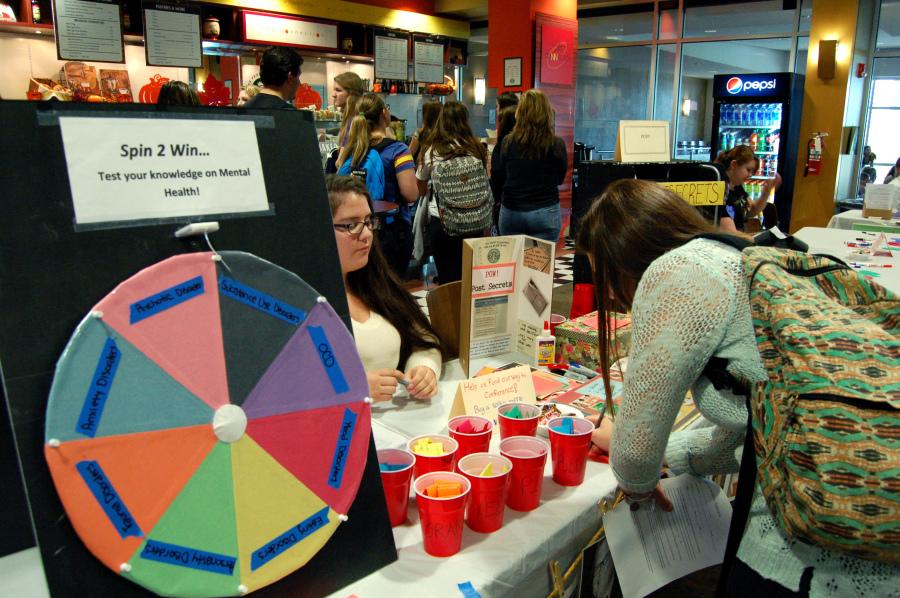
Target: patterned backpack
463, 193
826, 425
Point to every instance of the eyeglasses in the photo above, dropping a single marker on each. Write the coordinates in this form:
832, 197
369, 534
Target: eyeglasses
356, 228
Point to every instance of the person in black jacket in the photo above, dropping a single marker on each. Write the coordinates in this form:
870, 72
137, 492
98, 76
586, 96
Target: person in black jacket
529, 168
279, 71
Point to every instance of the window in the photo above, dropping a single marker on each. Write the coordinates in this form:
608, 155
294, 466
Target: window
613, 84
612, 25
889, 25
884, 118
737, 18
665, 80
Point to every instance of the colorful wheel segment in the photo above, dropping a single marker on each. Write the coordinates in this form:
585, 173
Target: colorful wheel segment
207, 428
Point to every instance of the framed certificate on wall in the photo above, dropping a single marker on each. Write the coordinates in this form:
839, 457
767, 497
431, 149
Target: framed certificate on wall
512, 72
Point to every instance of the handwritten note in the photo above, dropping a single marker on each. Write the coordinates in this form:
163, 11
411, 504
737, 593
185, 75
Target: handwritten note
699, 193
345, 436
261, 301
182, 556
101, 383
329, 361
107, 497
265, 553
167, 299
482, 395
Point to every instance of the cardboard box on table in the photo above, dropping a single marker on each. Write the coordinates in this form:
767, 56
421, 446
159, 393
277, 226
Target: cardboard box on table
576, 340
507, 288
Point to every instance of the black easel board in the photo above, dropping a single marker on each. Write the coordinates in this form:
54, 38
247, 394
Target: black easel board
51, 275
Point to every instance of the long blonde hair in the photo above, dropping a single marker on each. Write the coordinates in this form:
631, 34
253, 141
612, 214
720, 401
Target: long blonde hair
369, 110
354, 87
534, 130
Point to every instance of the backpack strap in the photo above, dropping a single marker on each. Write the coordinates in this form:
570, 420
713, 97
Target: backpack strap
740, 508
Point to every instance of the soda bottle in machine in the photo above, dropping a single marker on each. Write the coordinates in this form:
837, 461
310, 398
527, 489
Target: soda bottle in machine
726, 114
761, 171
776, 115
761, 144
754, 140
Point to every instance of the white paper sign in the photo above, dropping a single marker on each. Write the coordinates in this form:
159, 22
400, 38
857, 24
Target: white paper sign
123, 169
881, 197
428, 62
652, 548
643, 141
172, 34
391, 57
88, 30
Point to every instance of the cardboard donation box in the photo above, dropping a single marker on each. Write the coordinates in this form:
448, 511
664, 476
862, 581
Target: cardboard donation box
576, 340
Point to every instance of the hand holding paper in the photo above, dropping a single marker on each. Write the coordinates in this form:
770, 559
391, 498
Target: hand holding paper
383, 383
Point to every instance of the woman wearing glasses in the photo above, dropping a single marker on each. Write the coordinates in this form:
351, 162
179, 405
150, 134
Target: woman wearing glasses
392, 333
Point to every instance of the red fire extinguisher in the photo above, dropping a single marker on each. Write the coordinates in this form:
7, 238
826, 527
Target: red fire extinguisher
814, 150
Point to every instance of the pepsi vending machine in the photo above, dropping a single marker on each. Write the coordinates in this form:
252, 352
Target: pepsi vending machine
762, 111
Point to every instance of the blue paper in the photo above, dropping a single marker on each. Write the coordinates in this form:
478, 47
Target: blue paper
182, 556
98, 392
329, 362
261, 301
264, 554
108, 498
468, 590
154, 304
345, 436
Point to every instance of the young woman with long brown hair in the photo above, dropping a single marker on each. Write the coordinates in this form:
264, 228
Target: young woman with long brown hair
689, 302
529, 168
740, 163
430, 113
348, 89
394, 338
452, 137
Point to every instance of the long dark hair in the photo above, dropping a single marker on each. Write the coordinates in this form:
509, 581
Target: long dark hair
177, 93
431, 112
629, 226
506, 122
354, 86
378, 287
453, 136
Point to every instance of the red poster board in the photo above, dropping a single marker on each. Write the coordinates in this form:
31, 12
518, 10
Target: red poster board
558, 55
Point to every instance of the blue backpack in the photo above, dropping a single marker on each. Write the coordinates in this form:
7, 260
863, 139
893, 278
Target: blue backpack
371, 172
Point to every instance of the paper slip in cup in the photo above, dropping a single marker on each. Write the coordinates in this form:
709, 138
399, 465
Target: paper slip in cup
528, 456
471, 442
526, 425
396, 482
569, 452
428, 463
441, 518
487, 500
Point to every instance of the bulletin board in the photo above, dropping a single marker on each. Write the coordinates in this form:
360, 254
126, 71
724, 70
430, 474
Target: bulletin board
52, 272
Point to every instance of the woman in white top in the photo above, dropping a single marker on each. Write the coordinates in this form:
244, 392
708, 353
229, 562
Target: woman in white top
391, 330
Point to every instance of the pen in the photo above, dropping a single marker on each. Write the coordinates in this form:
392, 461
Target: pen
582, 370
404, 382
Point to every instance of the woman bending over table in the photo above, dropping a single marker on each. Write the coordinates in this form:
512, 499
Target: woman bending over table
391, 330
689, 303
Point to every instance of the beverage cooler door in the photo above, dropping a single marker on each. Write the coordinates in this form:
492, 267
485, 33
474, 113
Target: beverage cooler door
757, 125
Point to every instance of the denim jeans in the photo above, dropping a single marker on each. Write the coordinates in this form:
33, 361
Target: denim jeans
543, 223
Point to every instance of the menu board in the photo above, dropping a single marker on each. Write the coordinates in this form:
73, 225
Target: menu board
391, 57
88, 30
429, 62
172, 34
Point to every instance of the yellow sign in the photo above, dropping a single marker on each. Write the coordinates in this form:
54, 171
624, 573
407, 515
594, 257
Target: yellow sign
483, 394
699, 193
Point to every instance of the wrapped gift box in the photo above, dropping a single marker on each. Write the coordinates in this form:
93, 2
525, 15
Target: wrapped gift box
576, 340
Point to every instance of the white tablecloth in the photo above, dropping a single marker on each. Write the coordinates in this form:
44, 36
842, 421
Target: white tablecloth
832, 241
845, 220
510, 562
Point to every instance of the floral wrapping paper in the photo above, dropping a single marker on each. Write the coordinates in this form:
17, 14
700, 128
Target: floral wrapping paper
576, 340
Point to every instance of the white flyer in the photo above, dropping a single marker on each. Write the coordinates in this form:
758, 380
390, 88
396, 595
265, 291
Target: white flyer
651, 548
123, 169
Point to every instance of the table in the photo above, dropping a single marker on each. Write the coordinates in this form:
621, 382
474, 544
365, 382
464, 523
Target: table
380, 207
832, 241
512, 561
846, 220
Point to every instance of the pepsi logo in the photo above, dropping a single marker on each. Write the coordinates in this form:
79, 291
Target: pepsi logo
734, 85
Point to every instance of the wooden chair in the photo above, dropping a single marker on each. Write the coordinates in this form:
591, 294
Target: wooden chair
443, 309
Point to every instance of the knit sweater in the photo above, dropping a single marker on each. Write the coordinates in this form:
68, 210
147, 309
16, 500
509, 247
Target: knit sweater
690, 305
378, 343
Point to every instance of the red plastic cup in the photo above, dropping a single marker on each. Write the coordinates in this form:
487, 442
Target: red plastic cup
441, 518
469, 443
488, 496
569, 452
555, 320
528, 456
396, 482
427, 464
525, 426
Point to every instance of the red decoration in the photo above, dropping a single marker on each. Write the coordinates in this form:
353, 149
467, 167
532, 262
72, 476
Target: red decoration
558, 55
215, 93
307, 96
150, 92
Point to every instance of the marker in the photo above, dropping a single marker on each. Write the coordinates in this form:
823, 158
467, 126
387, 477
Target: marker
578, 369
404, 382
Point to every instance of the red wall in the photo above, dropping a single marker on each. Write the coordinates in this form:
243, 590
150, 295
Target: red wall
511, 34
